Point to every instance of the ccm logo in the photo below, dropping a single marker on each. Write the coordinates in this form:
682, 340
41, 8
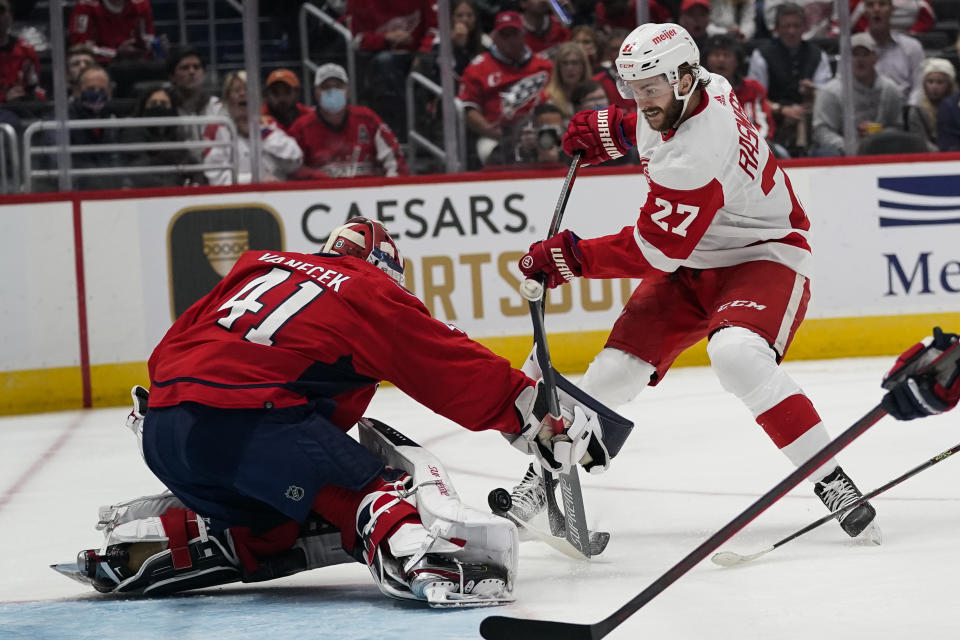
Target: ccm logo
666, 35
741, 303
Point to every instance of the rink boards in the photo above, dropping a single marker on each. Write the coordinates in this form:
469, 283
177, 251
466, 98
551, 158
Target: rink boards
92, 281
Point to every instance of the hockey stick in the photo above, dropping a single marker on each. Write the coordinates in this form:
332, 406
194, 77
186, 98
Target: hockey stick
571, 522
504, 628
731, 559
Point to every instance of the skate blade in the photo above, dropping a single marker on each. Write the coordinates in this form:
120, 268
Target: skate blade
871, 535
442, 597
72, 571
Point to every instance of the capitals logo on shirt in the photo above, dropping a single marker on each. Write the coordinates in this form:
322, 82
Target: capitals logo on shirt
522, 94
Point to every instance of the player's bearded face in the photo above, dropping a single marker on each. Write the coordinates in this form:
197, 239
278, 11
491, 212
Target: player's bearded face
656, 103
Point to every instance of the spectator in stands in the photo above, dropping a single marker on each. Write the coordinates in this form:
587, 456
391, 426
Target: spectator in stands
588, 39
588, 95
570, 67
540, 135
157, 102
114, 28
19, 65
91, 99
188, 86
909, 16
724, 55
695, 18
281, 98
79, 57
542, 29
622, 14
280, 157
736, 18
790, 69
607, 76
948, 124
503, 85
877, 102
398, 26
466, 36
344, 141
387, 34
900, 57
820, 17
939, 81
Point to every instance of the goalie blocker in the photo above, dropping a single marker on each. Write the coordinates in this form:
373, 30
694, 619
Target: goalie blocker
447, 553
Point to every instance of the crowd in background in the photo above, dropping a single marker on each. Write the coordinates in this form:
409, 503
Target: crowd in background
521, 73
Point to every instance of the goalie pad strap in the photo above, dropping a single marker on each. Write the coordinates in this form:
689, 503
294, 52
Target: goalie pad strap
175, 525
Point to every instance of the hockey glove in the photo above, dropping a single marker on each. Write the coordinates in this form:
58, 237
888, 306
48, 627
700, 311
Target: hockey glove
602, 135
924, 381
557, 259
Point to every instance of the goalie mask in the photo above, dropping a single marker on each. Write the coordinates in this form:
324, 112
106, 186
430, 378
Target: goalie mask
368, 240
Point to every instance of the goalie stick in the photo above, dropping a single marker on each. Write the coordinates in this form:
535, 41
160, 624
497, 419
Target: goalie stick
731, 559
506, 628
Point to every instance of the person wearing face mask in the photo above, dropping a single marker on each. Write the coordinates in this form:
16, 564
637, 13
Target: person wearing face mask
91, 100
157, 101
341, 140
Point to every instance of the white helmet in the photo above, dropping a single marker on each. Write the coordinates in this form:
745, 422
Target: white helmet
654, 49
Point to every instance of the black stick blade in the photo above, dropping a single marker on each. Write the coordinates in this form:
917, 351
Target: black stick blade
504, 628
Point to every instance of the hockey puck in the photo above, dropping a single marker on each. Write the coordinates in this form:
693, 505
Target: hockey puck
499, 501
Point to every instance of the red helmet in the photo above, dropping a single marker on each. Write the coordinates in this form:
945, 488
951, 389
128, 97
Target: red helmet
368, 240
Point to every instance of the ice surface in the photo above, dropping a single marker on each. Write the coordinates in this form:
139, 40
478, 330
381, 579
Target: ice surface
696, 460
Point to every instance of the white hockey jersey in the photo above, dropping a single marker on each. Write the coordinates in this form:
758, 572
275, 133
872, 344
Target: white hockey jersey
717, 197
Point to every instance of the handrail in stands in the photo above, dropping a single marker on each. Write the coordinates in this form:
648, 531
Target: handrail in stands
9, 137
29, 150
416, 139
310, 67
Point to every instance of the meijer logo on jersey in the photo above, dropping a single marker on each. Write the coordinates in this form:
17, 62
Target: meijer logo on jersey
665, 35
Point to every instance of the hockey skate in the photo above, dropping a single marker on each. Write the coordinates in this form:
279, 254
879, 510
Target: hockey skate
836, 491
443, 582
527, 500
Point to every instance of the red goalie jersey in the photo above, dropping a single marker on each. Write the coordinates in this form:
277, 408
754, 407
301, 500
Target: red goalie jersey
284, 329
716, 198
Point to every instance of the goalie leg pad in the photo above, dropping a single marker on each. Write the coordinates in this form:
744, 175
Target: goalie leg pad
456, 555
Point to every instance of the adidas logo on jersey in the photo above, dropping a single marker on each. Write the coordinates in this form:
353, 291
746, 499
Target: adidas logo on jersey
603, 129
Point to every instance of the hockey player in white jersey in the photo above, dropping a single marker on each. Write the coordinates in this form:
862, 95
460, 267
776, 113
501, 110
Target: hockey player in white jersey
721, 244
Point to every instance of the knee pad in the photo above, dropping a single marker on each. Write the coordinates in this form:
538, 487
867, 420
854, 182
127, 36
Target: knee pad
747, 367
616, 377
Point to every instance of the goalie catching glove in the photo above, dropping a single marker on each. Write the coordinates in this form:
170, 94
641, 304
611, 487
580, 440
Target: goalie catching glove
558, 443
603, 134
925, 379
